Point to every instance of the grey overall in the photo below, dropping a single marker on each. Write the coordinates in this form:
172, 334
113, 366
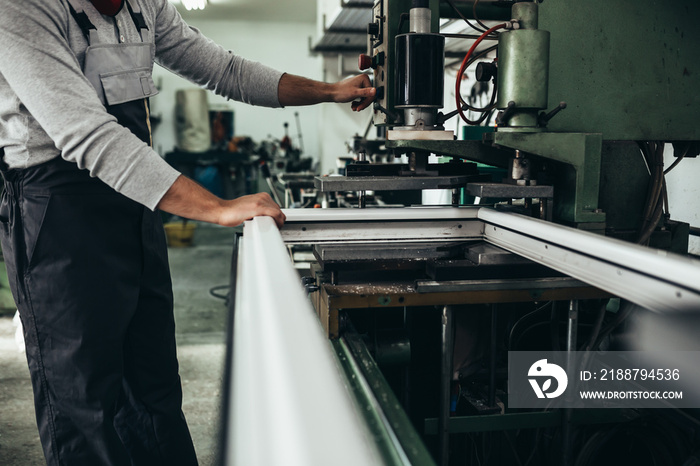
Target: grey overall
90, 276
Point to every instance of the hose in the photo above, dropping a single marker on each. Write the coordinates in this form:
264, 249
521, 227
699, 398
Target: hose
462, 69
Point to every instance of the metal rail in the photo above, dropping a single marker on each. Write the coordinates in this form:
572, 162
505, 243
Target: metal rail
394, 432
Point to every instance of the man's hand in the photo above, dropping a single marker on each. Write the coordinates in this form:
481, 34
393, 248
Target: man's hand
295, 90
237, 211
356, 87
188, 199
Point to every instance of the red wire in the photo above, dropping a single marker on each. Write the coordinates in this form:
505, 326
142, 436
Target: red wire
460, 74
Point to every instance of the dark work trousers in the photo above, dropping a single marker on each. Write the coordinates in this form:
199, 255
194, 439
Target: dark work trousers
89, 271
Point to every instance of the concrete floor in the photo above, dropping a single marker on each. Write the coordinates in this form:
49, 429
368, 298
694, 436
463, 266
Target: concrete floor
201, 321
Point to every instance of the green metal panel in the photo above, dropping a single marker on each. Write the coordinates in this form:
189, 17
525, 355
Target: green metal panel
522, 73
389, 424
576, 188
629, 69
623, 183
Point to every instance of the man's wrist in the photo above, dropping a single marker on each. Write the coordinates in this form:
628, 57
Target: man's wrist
218, 210
332, 92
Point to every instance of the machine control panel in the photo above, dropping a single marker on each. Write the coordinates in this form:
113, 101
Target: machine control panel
375, 29
381, 55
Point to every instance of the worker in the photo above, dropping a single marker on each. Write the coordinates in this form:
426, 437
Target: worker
79, 222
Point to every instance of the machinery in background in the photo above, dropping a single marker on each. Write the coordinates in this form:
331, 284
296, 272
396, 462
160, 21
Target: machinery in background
578, 96
232, 166
285, 170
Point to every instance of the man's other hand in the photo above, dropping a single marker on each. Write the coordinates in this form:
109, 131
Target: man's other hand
187, 199
295, 90
358, 90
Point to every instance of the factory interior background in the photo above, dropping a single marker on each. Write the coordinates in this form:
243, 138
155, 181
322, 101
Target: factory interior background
280, 34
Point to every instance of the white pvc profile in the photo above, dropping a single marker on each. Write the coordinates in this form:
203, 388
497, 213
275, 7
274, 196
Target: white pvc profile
657, 280
316, 226
289, 404
380, 214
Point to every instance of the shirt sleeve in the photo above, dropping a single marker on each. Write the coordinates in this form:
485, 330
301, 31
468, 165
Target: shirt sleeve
185, 51
42, 70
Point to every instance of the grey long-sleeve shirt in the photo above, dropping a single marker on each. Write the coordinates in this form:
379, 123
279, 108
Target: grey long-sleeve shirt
48, 108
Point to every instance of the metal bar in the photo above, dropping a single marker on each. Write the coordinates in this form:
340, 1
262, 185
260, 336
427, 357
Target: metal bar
346, 31
465, 36
277, 338
470, 150
654, 279
572, 331
333, 50
392, 414
492, 355
494, 422
400, 295
485, 10
388, 183
356, 4
431, 286
567, 418
509, 421
388, 444
447, 338
505, 190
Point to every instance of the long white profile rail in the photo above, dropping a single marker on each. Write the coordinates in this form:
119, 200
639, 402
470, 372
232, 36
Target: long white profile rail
381, 214
289, 404
654, 279
315, 226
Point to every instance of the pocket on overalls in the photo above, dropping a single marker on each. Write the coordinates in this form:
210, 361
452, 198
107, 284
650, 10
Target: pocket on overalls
34, 207
10, 244
128, 85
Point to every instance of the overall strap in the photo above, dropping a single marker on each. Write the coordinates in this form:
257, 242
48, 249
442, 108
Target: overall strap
139, 21
89, 29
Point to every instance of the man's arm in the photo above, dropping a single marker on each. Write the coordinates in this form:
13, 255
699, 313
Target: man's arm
186, 198
295, 90
187, 52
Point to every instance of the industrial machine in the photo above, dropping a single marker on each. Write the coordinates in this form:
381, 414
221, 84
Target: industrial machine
572, 250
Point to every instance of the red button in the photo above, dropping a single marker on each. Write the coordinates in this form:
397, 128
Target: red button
365, 62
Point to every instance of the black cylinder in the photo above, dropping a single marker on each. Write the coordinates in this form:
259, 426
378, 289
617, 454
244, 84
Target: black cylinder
420, 63
421, 4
